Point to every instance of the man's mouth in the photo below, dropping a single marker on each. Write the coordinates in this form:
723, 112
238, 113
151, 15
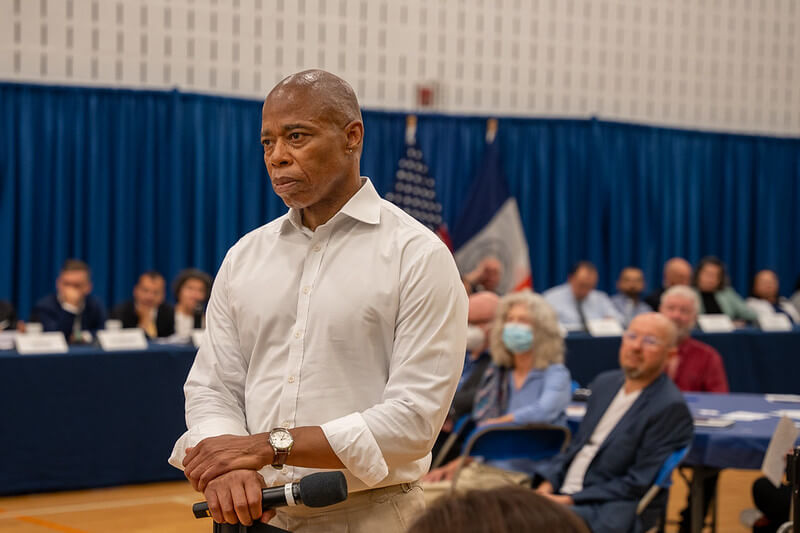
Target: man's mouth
284, 185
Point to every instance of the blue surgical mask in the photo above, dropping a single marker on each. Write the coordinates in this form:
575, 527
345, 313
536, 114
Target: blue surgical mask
518, 338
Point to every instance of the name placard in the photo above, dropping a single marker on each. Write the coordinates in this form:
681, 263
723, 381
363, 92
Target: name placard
7, 339
122, 339
49, 342
776, 322
197, 337
715, 323
604, 327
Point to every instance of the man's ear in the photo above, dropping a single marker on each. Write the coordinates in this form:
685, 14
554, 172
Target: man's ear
354, 132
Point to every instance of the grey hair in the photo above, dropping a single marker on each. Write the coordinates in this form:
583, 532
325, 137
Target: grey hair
685, 292
548, 344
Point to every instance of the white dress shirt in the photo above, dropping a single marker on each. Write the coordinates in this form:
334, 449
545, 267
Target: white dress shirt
358, 327
573, 480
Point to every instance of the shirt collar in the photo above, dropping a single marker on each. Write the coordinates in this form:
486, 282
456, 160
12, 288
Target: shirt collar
364, 206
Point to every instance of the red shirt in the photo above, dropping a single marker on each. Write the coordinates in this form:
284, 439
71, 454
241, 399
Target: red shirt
700, 368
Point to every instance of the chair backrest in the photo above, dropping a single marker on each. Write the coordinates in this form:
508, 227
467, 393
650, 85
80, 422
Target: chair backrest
514, 441
663, 478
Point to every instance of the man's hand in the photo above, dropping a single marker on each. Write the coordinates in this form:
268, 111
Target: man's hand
563, 499
505, 419
545, 487
215, 456
235, 498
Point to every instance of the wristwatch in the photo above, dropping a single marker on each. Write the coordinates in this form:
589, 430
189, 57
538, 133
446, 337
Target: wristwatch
281, 441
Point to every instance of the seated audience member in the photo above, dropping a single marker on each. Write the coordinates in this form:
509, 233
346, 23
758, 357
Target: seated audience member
526, 381
72, 310
485, 277
147, 310
766, 301
192, 287
576, 301
716, 294
697, 367
628, 300
677, 271
501, 510
482, 307
635, 418
8, 316
796, 294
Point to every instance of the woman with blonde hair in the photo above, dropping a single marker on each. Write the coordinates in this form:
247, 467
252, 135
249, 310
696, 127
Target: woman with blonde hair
526, 382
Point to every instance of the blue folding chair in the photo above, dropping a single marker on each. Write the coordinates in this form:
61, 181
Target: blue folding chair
463, 425
514, 441
663, 481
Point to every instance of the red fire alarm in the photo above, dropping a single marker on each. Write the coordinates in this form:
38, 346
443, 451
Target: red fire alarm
426, 95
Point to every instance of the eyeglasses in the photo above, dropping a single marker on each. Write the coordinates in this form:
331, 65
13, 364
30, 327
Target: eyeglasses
648, 341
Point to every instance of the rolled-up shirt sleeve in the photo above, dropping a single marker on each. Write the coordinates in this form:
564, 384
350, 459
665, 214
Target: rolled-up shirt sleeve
426, 362
214, 388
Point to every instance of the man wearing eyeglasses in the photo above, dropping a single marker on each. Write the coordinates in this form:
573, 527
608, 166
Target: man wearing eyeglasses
635, 418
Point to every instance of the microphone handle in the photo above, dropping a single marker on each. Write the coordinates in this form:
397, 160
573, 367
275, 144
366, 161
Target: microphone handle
270, 498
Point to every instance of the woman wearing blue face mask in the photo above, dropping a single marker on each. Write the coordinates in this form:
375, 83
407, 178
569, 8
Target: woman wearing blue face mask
526, 382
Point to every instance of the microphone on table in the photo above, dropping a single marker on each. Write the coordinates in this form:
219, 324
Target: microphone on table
315, 490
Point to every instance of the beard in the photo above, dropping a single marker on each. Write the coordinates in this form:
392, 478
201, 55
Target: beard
631, 372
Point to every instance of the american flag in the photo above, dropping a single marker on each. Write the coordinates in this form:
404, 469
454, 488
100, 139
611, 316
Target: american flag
415, 192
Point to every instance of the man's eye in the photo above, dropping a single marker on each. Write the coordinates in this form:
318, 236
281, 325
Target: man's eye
296, 136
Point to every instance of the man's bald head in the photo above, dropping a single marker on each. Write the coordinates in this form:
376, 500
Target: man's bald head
677, 271
335, 97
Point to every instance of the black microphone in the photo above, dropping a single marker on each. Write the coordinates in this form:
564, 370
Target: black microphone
315, 490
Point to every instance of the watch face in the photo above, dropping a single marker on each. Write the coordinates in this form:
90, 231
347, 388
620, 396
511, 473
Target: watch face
281, 439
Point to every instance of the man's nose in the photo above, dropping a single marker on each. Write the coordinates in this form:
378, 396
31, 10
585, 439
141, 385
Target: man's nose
280, 155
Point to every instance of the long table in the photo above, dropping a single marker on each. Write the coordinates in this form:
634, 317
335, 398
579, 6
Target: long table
756, 362
90, 418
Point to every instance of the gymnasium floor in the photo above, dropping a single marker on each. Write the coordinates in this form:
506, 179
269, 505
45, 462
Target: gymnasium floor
166, 508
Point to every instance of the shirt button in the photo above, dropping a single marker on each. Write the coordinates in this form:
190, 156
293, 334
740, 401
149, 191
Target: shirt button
297, 334
291, 379
317, 248
306, 290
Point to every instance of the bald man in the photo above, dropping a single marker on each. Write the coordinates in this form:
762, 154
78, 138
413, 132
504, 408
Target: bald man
335, 334
636, 417
677, 271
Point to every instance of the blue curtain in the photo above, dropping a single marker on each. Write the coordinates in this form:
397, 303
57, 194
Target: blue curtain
133, 180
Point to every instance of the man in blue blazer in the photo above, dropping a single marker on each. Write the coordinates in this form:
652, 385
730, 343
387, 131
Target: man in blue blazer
636, 417
72, 310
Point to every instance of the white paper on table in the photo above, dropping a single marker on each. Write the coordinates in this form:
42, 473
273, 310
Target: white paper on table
775, 322
604, 327
745, 416
576, 411
782, 442
708, 412
715, 323
782, 398
788, 413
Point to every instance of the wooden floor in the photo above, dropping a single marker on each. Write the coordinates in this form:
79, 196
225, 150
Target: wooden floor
166, 508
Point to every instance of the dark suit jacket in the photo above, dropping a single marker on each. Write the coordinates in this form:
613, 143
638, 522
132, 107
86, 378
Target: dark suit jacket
8, 317
657, 424
53, 317
165, 318
654, 298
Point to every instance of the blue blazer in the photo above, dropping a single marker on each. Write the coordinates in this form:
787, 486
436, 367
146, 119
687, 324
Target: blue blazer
54, 318
626, 464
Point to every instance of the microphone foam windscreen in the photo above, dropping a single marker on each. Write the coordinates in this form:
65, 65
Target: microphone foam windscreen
323, 488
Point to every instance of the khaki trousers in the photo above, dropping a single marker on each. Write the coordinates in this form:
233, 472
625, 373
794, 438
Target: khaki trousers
385, 510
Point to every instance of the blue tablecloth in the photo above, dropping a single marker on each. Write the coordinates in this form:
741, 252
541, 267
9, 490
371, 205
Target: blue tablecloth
90, 418
741, 445
755, 361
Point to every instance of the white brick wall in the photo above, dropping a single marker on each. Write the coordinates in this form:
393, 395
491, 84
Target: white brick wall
729, 65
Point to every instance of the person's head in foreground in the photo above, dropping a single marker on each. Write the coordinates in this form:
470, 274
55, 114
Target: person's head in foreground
505, 510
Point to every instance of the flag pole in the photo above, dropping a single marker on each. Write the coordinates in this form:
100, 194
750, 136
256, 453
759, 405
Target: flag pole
411, 129
491, 130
